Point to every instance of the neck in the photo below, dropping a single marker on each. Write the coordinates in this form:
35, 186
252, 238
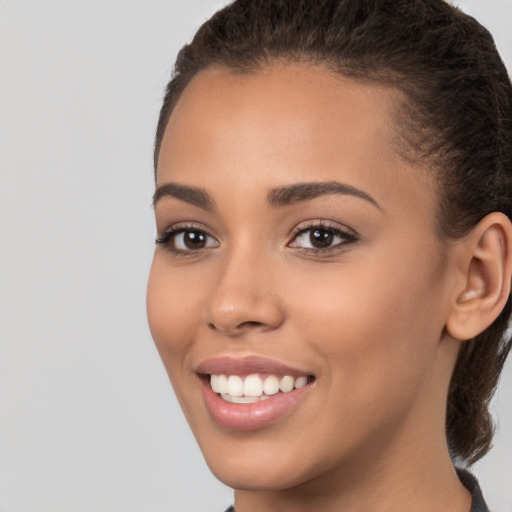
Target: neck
417, 486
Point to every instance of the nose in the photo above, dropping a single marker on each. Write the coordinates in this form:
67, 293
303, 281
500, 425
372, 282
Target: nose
244, 297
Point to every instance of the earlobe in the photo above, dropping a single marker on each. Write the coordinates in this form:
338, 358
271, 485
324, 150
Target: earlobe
485, 262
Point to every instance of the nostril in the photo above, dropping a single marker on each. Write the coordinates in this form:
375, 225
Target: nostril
249, 324
241, 326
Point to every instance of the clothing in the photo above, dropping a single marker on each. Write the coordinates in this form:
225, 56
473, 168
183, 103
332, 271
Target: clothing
469, 482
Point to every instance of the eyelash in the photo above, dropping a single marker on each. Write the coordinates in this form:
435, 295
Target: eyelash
347, 236
167, 238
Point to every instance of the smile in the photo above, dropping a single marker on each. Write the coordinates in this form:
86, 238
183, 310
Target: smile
253, 388
250, 393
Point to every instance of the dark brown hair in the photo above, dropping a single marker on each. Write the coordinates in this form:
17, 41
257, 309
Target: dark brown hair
457, 117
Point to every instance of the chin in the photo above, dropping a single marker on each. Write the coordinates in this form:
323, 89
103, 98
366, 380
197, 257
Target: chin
254, 462
256, 476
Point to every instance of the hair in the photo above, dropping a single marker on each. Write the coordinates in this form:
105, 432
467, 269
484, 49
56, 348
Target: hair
456, 117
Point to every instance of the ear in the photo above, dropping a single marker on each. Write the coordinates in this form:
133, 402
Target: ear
484, 260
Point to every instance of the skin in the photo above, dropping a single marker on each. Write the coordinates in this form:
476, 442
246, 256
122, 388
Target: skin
367, 318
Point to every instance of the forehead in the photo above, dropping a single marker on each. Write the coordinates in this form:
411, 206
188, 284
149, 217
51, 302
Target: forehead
285, 104
285, 123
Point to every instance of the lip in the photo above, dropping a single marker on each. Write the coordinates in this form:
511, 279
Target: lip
229, 365
255, 415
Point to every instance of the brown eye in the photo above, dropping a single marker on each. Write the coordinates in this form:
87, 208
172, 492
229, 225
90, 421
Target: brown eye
320, 239
186, 240
191, 240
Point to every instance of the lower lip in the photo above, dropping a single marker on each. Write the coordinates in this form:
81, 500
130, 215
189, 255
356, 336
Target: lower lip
251, 416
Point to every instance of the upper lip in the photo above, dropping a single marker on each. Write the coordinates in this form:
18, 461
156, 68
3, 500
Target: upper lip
231, 365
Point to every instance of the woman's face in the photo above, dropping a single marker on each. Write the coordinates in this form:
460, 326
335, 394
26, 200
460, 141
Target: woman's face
297, 248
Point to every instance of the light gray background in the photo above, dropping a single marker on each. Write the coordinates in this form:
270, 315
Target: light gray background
88, 421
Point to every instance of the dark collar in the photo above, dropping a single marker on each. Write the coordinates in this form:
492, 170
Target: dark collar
471, 484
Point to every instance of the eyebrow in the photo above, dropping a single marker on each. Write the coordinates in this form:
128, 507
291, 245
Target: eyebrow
192, 195
300, 192
277, 198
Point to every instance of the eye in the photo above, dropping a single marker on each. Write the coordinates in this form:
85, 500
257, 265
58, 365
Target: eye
321, 238
186, 240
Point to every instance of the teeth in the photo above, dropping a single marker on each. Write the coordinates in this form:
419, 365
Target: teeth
286, 384
214, 379
235, 386
271, 385
253, 388
300, 382
242, 399
222, 383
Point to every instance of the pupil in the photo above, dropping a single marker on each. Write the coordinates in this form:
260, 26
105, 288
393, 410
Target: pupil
194, 239
320, 239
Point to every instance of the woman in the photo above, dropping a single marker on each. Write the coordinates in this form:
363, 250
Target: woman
331, 282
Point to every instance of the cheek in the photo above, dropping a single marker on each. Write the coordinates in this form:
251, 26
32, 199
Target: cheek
172, 312
375, 326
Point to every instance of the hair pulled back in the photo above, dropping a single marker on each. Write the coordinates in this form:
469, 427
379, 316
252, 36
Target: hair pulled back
456, 118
